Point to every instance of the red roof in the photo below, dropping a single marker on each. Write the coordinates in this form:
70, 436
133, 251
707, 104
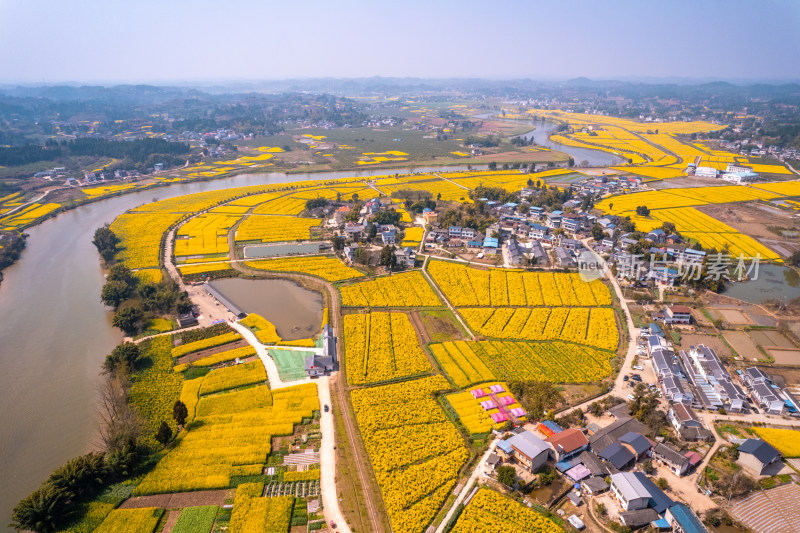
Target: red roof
693, 457
569, 440
681, 309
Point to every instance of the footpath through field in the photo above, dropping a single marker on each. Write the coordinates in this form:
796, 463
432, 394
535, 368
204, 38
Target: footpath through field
330, 500
477, 473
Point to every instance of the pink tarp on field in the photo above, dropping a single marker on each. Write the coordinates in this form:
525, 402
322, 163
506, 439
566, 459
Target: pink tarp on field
488, 404
478, 393
519, 411
499, 417
507, 400
497, 388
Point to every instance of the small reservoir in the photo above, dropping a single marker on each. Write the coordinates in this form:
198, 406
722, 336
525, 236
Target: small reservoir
295, 311
774, 282
272, 250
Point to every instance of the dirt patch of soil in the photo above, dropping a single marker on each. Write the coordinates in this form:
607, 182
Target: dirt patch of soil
439, 326
712, 341
755, 220
179, 500
785, 357
743, 344
196, 356
766, 337
731, 316
169, 523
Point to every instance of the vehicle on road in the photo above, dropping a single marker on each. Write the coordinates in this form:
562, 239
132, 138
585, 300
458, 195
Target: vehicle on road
327, 408
638, 367
625, 377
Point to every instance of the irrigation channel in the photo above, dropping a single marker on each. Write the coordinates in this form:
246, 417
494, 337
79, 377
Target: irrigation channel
55, 332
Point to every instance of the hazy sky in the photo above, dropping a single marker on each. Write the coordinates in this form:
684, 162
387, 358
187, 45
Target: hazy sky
200, 40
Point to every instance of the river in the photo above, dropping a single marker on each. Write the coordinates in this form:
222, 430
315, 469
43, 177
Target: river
541, 136
592, 158
55, 333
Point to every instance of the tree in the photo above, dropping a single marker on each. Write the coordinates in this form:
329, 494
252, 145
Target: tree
42, 510
180, 412
82, 475
597, 232
506, 475
600, 508
388, 216
164, 434
537, 397
313, 203
129, 319
120, 272
643, 211
372, 232
794, 259
114, 293
388, 258
122, 358
492, 165
106, 243
338, 243
662, 483
119, 423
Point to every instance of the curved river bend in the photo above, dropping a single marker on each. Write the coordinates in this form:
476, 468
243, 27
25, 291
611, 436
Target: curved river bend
55, 332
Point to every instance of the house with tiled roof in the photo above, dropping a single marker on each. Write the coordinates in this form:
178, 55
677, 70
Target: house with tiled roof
567, 443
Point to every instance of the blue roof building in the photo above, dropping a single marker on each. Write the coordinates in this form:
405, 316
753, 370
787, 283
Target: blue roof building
681, 518
490, 242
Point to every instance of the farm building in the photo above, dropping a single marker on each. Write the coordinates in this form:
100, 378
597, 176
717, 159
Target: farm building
756, 455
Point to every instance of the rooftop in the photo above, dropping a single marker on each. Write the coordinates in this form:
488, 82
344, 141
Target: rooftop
568, 440
760, 449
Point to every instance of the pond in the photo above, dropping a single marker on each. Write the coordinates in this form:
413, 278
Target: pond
295, 311
270, 250
774, 282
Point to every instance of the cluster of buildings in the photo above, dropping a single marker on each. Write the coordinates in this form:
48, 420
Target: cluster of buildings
356, 231
695, 377
591, 458
766, 394
734, 173
670, 258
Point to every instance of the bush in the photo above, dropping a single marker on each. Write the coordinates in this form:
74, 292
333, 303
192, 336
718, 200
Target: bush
506, 475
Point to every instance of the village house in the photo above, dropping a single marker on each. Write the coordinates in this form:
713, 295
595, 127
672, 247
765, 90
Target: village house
572, 222
637, 444
675, 461
406, 257
686, 422
553, 220
528, 449
564, 259
567, 443
756, 456
683, 520
677, 314
354, 231
634, 490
